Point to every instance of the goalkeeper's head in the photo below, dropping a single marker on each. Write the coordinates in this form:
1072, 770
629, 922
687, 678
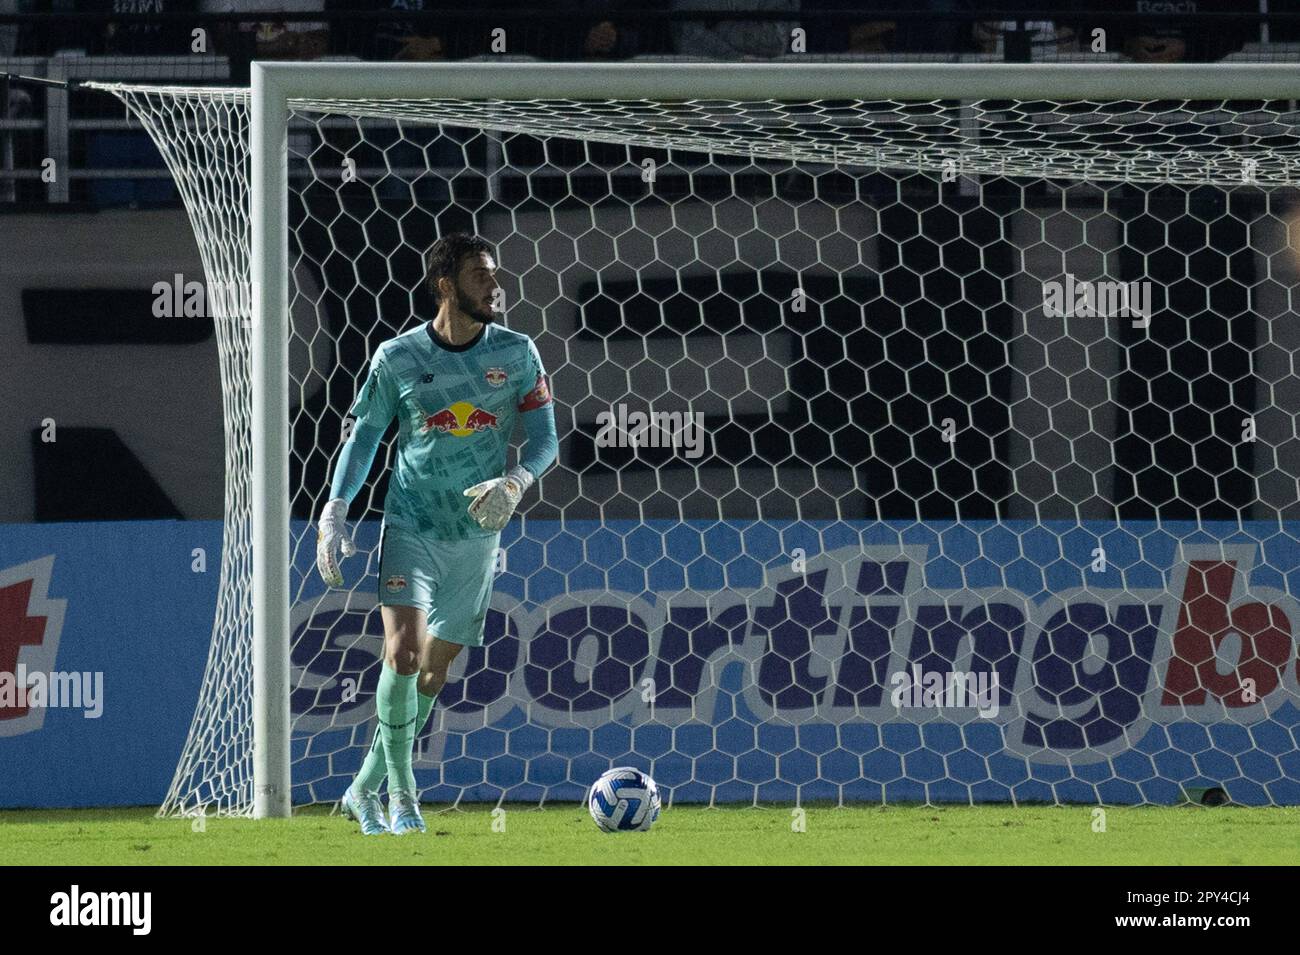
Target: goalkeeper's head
462, 272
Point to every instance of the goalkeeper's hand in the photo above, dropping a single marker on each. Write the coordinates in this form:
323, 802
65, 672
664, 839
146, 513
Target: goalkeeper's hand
496, 499
332, 541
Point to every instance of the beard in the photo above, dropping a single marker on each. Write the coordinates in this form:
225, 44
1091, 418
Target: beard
479, 312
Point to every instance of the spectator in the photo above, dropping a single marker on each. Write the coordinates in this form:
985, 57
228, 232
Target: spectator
1157, 43
602, 39
1162, 36
418, 39
872, 36
269, 39
593, 30
1047, 36
729, 35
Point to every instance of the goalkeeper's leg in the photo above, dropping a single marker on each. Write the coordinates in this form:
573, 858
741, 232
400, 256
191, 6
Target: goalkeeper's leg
397, 705
403, 805
434, 663
396, 709
450, 584
457, 610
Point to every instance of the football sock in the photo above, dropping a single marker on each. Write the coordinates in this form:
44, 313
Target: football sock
375, 768
396, 705
423, 707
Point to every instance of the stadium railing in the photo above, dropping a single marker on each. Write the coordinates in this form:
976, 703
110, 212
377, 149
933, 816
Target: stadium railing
48, 123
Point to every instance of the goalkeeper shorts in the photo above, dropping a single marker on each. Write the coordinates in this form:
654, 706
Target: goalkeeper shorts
451, 581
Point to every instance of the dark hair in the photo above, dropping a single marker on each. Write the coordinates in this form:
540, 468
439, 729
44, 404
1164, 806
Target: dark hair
447, 255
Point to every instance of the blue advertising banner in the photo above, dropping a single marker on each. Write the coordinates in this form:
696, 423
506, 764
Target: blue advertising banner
901, 662
1122, 663
114, 619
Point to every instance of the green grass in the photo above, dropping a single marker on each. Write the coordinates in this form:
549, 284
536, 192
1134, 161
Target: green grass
563, 833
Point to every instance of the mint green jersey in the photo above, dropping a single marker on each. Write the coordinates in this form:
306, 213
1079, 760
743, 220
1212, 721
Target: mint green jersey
456, 408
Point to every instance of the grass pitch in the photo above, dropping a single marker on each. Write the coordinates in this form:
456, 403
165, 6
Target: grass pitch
564, 834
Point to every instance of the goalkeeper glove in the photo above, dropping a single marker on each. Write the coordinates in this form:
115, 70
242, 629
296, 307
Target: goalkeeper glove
496, 499
332, 540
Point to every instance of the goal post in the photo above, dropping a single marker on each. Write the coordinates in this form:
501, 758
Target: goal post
269, 246
1102, 124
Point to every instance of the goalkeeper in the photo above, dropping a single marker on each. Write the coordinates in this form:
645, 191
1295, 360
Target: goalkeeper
456, 386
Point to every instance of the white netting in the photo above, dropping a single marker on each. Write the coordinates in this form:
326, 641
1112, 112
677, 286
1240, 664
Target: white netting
916, 457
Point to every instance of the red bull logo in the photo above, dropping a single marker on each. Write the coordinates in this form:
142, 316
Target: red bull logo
461, 419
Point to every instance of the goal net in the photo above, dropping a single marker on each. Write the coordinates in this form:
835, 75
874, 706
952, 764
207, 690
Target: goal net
912, 449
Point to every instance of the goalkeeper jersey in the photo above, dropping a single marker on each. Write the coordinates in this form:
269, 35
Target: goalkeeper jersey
456, 407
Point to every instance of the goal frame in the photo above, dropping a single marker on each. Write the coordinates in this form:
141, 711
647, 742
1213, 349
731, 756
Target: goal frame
275, 85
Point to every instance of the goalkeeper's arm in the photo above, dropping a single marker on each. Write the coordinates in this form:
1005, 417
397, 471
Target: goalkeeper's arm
353, 466
374, 408
542, 444
350, 472
495, 500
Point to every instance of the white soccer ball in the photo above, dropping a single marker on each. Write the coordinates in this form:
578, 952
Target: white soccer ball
624, 800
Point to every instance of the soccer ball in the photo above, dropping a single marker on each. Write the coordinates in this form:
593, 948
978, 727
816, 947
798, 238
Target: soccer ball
624, 800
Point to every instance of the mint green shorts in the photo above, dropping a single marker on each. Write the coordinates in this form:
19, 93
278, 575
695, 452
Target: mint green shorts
451, 581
